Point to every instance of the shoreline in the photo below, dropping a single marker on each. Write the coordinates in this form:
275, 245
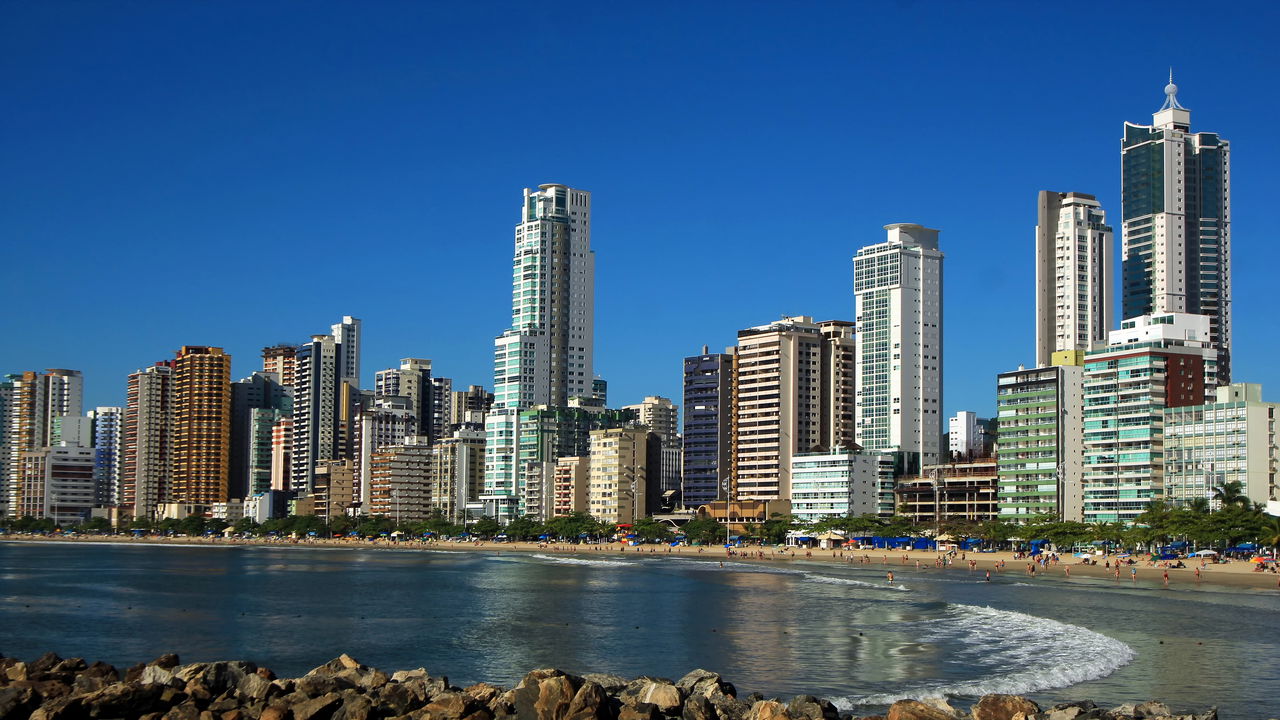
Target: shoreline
1236, 575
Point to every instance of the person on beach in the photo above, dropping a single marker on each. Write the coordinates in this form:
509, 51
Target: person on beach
889, 575
988, 576
1166, 578
1133, 574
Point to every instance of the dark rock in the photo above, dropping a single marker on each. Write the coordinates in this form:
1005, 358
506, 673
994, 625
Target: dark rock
915, 710
321, 708
45, 663
698, 707
102, 670
1002, 707
133, 673
236, 714
591, 702
753, 698
168, 661
337, 665
255, 687
17, 701
127, 700
1210, 714
355, 707
224, 703
543, 694
450, 706
186, 711
316, 685
67, 708
808, 706
612, 684
276, 712
265, 673
396, 699
639, 711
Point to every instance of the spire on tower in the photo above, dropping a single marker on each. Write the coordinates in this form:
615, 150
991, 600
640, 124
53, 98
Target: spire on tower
1171, 95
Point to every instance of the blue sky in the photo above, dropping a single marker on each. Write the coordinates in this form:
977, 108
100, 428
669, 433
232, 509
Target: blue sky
243, 174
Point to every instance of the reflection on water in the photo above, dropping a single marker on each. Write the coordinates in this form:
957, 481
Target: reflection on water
813, 628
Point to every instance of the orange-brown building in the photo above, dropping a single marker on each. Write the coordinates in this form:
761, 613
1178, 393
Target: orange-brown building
201, 424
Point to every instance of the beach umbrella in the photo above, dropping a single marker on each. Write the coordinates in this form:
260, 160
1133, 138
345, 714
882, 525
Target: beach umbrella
1205, 552
1259, 560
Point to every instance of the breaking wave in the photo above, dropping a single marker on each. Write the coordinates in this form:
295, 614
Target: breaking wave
1026, 654
581, 561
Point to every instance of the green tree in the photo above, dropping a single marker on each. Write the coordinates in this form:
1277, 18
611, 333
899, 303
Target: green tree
572, 526
485, 527
246, 525
705, 531
1270, 531
650, 529
1231, 493
98, 525
774, 530
524, 527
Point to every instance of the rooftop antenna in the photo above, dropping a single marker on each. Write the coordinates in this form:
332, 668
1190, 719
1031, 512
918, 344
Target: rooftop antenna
1171, 95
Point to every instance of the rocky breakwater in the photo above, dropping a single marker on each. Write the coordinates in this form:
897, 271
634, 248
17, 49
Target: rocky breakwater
53, 688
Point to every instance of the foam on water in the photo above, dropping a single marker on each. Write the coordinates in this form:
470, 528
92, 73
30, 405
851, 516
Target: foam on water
1024, 654
805, 574
847, 581
580, 561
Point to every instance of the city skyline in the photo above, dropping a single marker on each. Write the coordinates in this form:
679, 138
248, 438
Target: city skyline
639, 353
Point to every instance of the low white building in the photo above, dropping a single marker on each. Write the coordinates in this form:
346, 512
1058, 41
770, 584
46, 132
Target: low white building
841, 482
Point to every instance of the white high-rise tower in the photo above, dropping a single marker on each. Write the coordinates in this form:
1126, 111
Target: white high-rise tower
898, 289
545, 357
1074, 247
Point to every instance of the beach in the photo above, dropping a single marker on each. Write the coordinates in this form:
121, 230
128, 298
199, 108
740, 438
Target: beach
903, 564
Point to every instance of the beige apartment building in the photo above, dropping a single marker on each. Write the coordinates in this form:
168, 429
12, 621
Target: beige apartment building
617, 475
793, 392
572, 478
457, 472
400, 482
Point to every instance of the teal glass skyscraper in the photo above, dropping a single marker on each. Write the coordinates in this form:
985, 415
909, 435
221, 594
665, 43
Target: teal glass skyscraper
1177, 222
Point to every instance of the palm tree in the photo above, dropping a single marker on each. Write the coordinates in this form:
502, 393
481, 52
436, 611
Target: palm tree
1271, 531
1231, 493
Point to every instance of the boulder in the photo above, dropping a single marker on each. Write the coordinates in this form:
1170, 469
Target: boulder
612, 684
17, 701
45, 663
254, 687
337, 665
544, 694
484, 693
639, 711
1151, 709
915, 710
812, 708
454, 706
320, 708
396, 699
1002, 707
166, 661
186, 711
698, 707
275, 712
696, 681
156, 675
127, 700
355, 707
1210, 714
656, 691
15, 671
591, 702
768, 710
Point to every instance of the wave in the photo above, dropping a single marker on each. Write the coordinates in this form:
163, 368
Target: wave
1026, 653
805, 574
826, 579
581, 561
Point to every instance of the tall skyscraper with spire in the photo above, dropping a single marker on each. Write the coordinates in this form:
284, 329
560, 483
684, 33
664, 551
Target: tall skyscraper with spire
545, 357
1177, 222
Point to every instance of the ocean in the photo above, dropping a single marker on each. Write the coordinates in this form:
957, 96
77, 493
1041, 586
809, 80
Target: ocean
801, 628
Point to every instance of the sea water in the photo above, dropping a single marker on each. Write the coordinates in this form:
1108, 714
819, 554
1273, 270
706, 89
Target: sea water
836, 631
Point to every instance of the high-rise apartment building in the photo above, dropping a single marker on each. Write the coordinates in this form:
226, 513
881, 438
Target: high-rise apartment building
658, 414
347, 334
1177, 223
280, 359
108, 445
8, 390
457, 472
401, 481
257, 402
898, 288
1074, 250
388, 423
441, 407
56, 482
325, 401
1232, 439
201, 425
37, 403
572, 480
1041, 443
794, 392
841, 482
1151, 364
147, 469
708, 427
546, 356
412, 381
464, 404
617, 475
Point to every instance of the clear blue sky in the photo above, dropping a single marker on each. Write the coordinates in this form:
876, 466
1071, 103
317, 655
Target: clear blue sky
242, 174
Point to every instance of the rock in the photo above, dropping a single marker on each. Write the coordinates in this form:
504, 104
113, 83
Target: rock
543, 694
265, 673
943, 705
363, 677
236, 714
166, 661
612, 684
639, 711
45, 663
697, 680
16, 701
483, 692
314, 686
275, 712
254, 687
355, 707
1002, 707
321, 708
1125, 709
16, 671
915, 710
337, 665
657, 691
591, 702
1151, 709
1210, 714
128, 700
698, 707
808, 706
768, 710
156, 675
396, 699
185, 711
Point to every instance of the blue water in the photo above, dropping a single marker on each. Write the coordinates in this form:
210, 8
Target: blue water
833, 631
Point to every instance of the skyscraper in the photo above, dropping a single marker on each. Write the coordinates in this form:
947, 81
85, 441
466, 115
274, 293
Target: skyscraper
708, 423
1176, 188
545, 357
146, 472
794, 391
257, 402
201, 425
412, 381
108, 442
1074, 247
347, 335
658, 414
326, 375
898, 288
37, 402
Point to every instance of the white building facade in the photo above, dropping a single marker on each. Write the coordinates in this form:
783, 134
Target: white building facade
1074, 277
840, 483
1232, 439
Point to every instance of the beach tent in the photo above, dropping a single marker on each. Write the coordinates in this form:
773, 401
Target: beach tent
924, 544
1205, 552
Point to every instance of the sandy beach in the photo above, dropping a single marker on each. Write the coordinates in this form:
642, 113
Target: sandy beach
903, 564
